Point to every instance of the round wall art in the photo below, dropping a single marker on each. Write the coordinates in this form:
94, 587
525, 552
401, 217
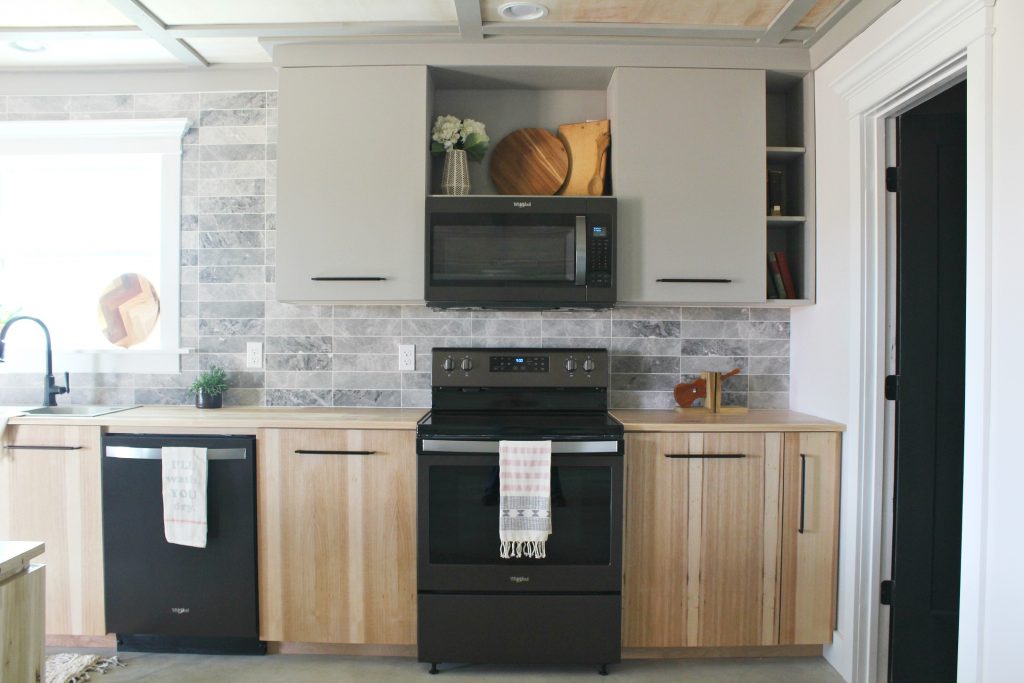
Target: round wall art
128, 310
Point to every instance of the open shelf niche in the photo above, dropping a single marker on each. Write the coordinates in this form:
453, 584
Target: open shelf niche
789, 157
505, 99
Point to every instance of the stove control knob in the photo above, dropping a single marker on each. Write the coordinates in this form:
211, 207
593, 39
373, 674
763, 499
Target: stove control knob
589, 365
467, 364
570, 365
448, 364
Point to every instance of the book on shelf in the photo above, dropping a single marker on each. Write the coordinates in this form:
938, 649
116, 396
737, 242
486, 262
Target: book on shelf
787, 275
776, 193
770, 284
773, 267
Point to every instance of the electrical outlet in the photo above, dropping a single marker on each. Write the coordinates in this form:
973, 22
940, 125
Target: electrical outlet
406, 357
254, 355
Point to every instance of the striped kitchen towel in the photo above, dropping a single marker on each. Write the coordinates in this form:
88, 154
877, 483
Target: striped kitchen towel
524, 469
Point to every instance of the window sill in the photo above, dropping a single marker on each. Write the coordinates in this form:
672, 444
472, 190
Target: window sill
128, 361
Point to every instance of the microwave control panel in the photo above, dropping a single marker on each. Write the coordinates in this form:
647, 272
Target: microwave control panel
599, 256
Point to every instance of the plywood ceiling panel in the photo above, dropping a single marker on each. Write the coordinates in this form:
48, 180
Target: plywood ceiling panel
230, 50
751, 13
25, 13
201, 12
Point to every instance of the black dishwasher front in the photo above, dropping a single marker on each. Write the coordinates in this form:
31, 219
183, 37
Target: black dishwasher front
162, 597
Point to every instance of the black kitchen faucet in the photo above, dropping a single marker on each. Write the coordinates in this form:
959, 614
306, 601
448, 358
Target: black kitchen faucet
50, 388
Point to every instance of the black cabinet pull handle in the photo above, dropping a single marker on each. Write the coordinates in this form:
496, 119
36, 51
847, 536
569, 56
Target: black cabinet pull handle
707, 456
803, 491
44, 448
303, 451
693, 279
347, 279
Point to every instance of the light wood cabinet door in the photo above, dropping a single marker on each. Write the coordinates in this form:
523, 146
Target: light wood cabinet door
810, 538
688, 171
50, 492
701, 558
337, 535
352, 175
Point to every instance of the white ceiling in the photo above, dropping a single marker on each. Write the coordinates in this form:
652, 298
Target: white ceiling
199, 33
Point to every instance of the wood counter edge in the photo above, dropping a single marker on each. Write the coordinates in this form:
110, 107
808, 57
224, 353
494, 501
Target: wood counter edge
16, 555
753, 421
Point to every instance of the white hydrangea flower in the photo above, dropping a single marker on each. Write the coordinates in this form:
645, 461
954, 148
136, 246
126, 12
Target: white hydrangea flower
470, 126
446, 131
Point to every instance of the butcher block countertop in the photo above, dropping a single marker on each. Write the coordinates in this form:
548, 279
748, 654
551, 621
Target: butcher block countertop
753, 421
250, 418
16, 555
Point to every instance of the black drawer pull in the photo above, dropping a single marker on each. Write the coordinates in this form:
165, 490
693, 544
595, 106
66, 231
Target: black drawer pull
693, 279
44, 448
803, 491
705, 456
303, 451
347, 279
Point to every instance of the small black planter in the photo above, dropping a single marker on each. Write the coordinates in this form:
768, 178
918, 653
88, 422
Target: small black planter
205, 400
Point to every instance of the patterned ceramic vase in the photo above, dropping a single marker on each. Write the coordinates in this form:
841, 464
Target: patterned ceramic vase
455, 176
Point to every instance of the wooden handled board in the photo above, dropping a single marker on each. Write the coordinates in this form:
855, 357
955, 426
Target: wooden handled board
529, 161
587, 144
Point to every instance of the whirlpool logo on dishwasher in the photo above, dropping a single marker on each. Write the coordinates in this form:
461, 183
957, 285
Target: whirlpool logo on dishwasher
519, 579
180, 610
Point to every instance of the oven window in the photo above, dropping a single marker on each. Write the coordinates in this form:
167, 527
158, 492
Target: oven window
533, 250
463, 514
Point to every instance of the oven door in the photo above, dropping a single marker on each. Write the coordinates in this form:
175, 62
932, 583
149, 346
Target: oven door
458, 512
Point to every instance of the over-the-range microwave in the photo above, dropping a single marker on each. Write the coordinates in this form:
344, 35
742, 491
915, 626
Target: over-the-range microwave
514, 252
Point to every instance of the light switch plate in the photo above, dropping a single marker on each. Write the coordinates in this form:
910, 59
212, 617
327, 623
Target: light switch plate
254, 355
406, 357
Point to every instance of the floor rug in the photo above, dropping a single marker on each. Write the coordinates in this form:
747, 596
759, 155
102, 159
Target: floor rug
68, 667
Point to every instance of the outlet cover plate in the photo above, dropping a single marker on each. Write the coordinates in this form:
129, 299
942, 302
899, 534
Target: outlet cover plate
254, 355
406, 357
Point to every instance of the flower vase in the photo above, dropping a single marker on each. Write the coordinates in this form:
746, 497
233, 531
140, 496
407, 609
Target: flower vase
455, 176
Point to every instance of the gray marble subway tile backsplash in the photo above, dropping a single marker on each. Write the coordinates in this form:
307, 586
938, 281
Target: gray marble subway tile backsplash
347, 355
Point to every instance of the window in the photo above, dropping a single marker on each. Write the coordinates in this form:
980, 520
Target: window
81, 203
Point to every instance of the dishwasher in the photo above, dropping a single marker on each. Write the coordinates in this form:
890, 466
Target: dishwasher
162, 597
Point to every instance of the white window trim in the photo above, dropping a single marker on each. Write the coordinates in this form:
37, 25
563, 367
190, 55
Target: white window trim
162, 136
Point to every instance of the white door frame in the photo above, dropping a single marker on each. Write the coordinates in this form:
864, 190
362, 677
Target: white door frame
947, 41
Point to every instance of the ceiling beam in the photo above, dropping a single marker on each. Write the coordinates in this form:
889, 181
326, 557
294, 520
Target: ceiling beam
470, 22
312, 29
613, 30
785, 21
151, 25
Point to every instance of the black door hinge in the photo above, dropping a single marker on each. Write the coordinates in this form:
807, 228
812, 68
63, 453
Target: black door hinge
892, 387
885, 594
892, 178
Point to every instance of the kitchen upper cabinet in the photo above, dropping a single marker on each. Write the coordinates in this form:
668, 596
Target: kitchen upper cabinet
352, 175
688, 150
715, 553
337, 535
50, 492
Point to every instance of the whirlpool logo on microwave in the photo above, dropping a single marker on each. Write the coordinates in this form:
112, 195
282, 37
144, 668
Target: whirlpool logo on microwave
180, 610
519, 579
522, 205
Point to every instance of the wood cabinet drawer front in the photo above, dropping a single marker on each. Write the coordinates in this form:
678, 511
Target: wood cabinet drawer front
337, 542
50, 492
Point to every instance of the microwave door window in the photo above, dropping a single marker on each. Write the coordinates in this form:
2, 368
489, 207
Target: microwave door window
527, 254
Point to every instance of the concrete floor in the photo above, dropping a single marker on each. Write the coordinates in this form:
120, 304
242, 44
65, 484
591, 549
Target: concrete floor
160, 668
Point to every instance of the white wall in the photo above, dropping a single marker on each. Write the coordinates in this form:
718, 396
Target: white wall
826, 351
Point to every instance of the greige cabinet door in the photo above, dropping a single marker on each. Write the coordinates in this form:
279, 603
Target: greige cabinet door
688, 150
352, 175
50, 492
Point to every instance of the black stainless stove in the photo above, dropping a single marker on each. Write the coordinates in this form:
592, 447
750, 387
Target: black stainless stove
475, 606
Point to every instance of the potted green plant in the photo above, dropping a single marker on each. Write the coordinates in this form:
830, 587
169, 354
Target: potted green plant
209, 388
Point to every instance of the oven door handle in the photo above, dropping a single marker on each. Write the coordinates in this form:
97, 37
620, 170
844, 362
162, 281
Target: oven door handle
581, 250
557, 447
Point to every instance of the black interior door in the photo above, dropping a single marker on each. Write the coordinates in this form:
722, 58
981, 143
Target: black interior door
931, 270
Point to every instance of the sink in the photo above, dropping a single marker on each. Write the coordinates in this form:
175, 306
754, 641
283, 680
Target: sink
76, 411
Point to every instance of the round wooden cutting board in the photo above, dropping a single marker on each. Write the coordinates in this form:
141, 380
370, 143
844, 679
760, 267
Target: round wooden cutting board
529, 161
128, 310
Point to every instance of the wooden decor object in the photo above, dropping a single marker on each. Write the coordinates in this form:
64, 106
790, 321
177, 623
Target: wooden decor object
529, 161
587, 145
128, 310
709, 388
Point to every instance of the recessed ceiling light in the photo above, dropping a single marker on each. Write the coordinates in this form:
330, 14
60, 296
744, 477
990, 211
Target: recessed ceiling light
522, 11
28, 45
